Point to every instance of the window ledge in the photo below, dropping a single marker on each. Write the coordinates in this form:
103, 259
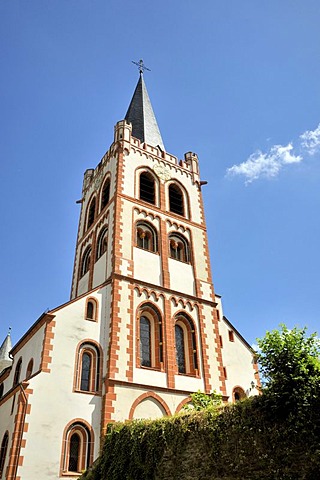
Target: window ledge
154, 369
94, 393
146, 250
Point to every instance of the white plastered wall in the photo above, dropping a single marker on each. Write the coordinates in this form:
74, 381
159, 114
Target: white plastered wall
53, 392
237, 359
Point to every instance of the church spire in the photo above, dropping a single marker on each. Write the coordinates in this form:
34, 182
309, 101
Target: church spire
5, 348
140, 114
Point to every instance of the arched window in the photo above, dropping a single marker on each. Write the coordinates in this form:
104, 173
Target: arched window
145, 341
179, 248
180, 353
29, 369
91, 213
86, 260
74, 455
3, 453
91, 309
88, 368
147, 188
186, 345
77, 448
150, 344
146, 237
238, 394
105, 194
17, 373
102, 242
176, 199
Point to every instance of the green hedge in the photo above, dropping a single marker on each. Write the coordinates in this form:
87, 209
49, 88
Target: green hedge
248, 440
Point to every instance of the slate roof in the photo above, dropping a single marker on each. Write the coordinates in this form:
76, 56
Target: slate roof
140, 114
5, 348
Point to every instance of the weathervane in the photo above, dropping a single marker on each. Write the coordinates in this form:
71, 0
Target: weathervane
141, 66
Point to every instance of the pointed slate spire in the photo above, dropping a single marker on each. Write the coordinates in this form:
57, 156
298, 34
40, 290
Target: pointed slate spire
140, 115
5, 348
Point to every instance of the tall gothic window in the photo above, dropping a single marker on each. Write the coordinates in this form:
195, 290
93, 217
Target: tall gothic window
102, 242
179, 248
3, 452
186, 345
105, 195
146, 237
176, 199
74, 453
88, 368
86, 371
91, 213
150, 337
180, 353
145, 341
147, 188
77, 448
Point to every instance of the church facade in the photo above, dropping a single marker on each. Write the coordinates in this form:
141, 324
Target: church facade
143, 328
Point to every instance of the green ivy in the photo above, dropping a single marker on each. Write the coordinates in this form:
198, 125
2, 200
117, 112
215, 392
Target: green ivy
235, 442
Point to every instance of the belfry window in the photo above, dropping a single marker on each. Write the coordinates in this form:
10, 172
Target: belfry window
105, 195
146, 237
150, 341
186, 345
102, 242
91, 213
179, 248
86, 260
147, 188
176, 199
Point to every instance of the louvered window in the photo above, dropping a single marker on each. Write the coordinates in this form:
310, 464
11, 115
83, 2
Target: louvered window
147, 188
105, 197
175, 200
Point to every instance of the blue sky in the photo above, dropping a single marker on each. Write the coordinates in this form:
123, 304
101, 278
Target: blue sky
236, 82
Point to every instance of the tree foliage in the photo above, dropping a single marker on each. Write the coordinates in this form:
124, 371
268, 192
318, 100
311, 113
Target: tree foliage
201, 401
289, 362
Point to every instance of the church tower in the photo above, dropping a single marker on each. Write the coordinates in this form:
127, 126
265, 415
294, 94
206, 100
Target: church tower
142, 233
143, 328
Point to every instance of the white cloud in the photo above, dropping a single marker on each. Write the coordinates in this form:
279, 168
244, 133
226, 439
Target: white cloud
311, 140
266, 165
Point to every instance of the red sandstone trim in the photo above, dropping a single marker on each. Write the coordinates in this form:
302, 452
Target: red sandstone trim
20, 426
145, 396
47, 347
183, 402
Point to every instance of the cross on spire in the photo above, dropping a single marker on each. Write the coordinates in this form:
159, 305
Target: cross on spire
141, 66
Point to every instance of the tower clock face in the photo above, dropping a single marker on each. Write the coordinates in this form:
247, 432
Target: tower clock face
162, 172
